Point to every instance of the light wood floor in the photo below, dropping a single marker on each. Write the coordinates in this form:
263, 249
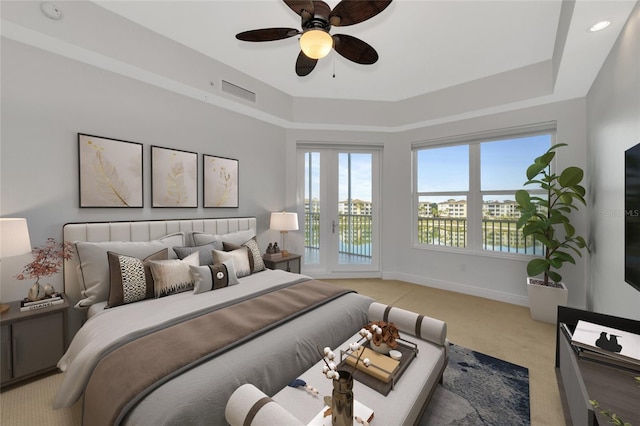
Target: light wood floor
498, 329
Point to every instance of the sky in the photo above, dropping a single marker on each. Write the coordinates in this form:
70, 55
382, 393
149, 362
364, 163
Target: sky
503, 167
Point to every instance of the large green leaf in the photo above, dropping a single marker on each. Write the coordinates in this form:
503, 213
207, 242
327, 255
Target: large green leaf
535, 169
571, 176
555, 277
536, 267
523, 198
564, 256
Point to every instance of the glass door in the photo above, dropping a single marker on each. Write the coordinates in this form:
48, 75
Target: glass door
341, 199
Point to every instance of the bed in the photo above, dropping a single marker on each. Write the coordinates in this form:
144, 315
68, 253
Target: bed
141, 357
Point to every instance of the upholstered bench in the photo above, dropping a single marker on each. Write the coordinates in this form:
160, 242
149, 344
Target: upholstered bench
403, 405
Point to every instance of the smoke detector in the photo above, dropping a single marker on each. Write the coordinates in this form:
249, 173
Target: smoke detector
51, 11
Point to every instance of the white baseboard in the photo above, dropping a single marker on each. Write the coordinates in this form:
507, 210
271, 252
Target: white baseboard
500, 296
342, 275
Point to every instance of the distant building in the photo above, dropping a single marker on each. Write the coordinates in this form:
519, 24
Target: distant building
500, 209
356, 207
453, 208
458, 209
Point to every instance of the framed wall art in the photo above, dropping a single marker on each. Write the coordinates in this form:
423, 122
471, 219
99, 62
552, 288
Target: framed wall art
174, 178
220, 181
110, 172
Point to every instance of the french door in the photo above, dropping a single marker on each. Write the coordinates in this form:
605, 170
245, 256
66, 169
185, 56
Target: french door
340, 188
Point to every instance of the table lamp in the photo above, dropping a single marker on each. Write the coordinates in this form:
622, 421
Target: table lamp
14, 241
284, 222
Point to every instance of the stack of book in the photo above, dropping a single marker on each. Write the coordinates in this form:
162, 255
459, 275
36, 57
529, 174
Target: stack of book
606, 345
28, 305
382, 367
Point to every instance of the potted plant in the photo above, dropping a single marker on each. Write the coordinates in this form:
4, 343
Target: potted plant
546, 220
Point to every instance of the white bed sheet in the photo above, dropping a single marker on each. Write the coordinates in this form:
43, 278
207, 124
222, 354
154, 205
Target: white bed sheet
109, 328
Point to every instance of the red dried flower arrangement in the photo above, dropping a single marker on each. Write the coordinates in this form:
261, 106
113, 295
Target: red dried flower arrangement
47, 260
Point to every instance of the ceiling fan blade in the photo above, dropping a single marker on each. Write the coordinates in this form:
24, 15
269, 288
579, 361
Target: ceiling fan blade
267, 34
304, 64
354, 49
298, 6
349, 12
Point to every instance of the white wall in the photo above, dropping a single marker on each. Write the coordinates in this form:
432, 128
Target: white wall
47, 99
492, 277
613, 114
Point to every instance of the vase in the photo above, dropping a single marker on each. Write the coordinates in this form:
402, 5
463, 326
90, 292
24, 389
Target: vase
36, 292
342, 400
382, 348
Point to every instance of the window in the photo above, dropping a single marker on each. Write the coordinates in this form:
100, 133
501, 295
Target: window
464, 196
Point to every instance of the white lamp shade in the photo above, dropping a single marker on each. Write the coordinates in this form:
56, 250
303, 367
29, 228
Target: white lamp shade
283, 221
316, 44
14, 237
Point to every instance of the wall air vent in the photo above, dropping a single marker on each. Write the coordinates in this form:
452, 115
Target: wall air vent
238, 91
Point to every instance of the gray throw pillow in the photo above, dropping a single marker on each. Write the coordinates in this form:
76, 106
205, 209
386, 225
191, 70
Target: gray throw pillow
205, 252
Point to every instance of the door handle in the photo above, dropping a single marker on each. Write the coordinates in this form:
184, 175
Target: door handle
333, 226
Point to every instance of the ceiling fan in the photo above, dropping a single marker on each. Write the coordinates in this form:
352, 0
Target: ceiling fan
316, 42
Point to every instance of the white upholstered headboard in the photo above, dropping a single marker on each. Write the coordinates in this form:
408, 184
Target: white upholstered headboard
140, 231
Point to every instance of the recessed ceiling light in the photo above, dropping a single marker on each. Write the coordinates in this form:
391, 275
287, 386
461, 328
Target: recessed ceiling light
599, 26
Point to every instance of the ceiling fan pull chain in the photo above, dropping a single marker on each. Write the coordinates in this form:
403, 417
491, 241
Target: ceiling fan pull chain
334, 66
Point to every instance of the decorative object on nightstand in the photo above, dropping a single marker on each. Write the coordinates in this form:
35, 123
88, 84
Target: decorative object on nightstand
284, 222
273, 252
14, 241
47, 261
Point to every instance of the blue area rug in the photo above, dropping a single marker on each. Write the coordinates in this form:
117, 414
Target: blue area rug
479, 390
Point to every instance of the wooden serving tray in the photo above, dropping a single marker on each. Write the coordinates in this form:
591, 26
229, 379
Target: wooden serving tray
409, 351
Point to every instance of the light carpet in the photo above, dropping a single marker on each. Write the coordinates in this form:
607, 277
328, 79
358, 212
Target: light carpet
479, 389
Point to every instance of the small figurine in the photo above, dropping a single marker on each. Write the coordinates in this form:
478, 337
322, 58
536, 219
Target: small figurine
270, 249
276, 249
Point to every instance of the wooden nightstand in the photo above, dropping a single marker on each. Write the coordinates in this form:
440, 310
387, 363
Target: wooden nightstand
290, 263
32, 342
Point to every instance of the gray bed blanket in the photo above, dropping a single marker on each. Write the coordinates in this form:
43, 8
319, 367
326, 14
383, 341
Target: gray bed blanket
269, 361
148, 361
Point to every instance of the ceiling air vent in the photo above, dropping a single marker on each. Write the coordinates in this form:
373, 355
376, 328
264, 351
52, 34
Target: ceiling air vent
238, 91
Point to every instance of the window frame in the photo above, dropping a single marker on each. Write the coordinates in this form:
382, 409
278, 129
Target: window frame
474, 195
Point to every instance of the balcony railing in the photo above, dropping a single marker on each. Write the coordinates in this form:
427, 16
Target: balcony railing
355, 234
497, 235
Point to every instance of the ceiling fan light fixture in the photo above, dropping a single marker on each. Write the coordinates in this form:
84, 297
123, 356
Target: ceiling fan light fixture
316, 43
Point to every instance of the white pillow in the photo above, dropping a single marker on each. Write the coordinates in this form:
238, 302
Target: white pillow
238, 238
173, 276
239, 257
93, 267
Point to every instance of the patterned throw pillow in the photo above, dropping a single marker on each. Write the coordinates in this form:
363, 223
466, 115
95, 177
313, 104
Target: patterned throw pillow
239, 257
130, 278
213, 277
173, 276
255, 258
258, 263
